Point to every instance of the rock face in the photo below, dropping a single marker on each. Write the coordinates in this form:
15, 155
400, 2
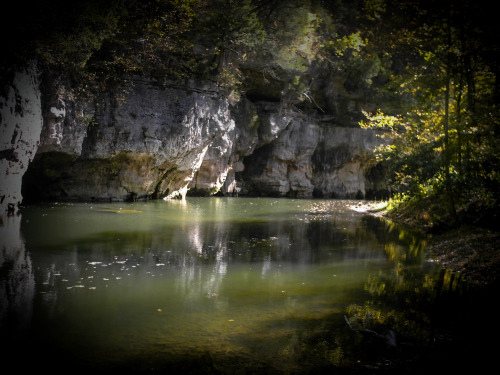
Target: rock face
169, 140
20, 127
344, 165
163, 141
149, 146
282, 165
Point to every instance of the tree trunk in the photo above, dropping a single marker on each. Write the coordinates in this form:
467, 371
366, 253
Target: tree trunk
447, 154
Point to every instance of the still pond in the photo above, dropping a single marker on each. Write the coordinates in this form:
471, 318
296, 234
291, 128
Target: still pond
217, 285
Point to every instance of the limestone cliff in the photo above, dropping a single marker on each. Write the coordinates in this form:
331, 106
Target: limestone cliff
168, 140
234, 100
20, 127
146, 146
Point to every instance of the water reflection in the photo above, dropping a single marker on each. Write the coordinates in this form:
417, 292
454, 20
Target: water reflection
17, 284
233, 283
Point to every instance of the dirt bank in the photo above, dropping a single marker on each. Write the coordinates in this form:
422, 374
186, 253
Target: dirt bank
472, 251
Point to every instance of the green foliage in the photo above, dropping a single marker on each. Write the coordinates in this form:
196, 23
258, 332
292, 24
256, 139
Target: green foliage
153, 40
352, 42
445, 138
230, 30
78, 34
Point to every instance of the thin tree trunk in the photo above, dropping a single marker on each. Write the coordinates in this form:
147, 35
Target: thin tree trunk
447, 155
458, 116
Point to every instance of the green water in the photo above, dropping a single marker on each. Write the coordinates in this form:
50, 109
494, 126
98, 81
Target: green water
206, 285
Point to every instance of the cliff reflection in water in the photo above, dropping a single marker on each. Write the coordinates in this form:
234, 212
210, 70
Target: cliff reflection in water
17, 283
150, 284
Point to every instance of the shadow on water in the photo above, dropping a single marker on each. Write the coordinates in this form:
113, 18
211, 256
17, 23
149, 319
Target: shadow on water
223, 287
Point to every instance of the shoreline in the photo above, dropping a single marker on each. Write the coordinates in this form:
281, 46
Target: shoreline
473, 252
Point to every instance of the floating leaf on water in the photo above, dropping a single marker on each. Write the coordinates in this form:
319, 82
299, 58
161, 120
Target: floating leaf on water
160, 310
120, 211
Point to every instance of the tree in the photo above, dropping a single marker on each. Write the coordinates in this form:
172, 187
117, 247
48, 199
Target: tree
449, 119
